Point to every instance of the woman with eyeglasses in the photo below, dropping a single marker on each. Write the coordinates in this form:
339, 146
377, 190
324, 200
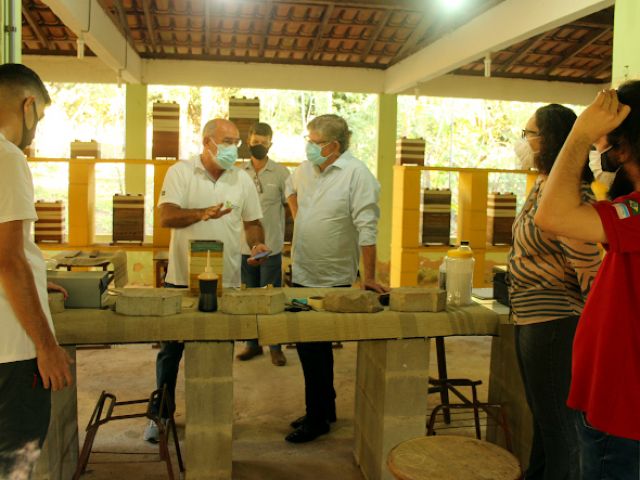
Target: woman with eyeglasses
550, 277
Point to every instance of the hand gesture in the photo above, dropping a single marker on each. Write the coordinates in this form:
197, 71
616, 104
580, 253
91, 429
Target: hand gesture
604, 115
53, 364
213, 212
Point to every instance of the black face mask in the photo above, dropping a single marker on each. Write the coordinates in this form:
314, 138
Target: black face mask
609, 162
28, 133
259, 151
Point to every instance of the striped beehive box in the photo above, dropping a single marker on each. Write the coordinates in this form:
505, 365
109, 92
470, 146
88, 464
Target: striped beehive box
244, 112
501, 212
50, 224
166, 130
198, 261
85, 149
410, 151
128, 218
436, 217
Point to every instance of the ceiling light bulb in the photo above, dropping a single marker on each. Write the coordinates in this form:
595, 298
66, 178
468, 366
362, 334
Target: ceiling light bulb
452, 4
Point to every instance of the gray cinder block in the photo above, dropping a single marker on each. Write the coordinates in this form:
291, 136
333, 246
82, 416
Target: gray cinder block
417, 299
253, 301
352, 301
143, 302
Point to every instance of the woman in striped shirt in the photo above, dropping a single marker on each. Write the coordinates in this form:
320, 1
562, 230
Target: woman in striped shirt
550, 277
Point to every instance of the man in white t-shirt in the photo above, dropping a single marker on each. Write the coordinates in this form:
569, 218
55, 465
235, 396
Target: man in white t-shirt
31, 362
206, 198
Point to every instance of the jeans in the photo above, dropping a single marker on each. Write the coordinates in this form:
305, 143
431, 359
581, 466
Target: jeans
25, 409
167, 365
268, 273
544, 356
605, 457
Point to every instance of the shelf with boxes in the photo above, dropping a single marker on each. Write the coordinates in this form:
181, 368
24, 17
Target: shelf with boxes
420, 230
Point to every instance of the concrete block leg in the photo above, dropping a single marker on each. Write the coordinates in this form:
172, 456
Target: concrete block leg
506, 389
391, 400
59, 454
209, 410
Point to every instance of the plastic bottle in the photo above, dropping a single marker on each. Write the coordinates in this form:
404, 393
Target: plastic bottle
208, 282
459, 268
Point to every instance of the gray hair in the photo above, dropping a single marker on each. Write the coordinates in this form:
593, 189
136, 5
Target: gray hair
332, 128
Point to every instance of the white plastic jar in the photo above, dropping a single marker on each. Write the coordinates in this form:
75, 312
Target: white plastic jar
459, 266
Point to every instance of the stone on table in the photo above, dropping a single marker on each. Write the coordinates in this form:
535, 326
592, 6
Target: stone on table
253, 301
153, 302
418, 299
352, 301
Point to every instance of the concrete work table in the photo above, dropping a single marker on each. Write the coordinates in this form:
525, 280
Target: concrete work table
391, 378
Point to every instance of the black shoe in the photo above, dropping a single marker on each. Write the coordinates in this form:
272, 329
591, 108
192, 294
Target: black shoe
298, 422
306, 433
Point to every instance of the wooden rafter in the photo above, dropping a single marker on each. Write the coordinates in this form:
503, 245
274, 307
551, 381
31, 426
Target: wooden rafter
375, 35
321, 28
207, 28
606, 66
418, 33
529, 47
37, 30
148, 20
575, 50
268, 8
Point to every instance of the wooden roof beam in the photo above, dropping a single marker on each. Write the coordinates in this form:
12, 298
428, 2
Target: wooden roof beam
35, 26
321, 28
480, 35
148, 20
375, 35
268, 8
606, 65
104, 38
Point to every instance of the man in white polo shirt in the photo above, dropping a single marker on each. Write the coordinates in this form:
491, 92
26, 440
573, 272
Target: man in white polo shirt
206, 198
31, 362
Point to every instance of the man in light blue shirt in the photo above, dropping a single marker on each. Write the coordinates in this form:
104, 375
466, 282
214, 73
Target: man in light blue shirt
334, 200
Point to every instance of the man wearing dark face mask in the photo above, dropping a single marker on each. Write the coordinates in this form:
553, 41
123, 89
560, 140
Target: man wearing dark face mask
31, 362
270, 180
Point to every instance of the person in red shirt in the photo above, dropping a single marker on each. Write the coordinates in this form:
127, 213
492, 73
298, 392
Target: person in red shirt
605, 383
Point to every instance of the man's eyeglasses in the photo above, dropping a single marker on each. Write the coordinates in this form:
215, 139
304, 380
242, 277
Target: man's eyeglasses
322, 143
529, 133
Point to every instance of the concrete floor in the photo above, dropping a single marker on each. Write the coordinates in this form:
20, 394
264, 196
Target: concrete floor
267, 398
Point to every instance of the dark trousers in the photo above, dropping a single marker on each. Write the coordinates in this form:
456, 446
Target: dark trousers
167, 365
25, 408
544, 356
316, 359
267, 273
605, 457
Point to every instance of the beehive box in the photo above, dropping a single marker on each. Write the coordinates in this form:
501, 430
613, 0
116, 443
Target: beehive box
410, 151
85, 149
435, 210
288, 224
198, 261
244, 112
128, 218
50, 224
166, 130
501, 212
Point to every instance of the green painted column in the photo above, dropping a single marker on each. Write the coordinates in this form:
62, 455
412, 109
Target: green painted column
626, 55
11, 31
387, 126
135, 137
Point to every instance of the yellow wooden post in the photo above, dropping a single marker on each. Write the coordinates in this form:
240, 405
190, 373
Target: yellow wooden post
473, 189
82, 196
161, 236
387, 125
135, 138
405, 229
626, 62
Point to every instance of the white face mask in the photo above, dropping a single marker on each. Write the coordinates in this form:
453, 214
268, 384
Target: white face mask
595, 164
525, 154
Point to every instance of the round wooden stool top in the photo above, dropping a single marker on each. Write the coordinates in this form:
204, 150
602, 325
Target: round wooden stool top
448, 457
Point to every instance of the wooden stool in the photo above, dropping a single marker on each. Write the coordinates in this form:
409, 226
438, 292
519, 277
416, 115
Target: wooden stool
448, 457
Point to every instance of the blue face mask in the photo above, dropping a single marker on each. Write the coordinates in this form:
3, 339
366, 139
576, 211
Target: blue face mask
314, 154
227, 156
